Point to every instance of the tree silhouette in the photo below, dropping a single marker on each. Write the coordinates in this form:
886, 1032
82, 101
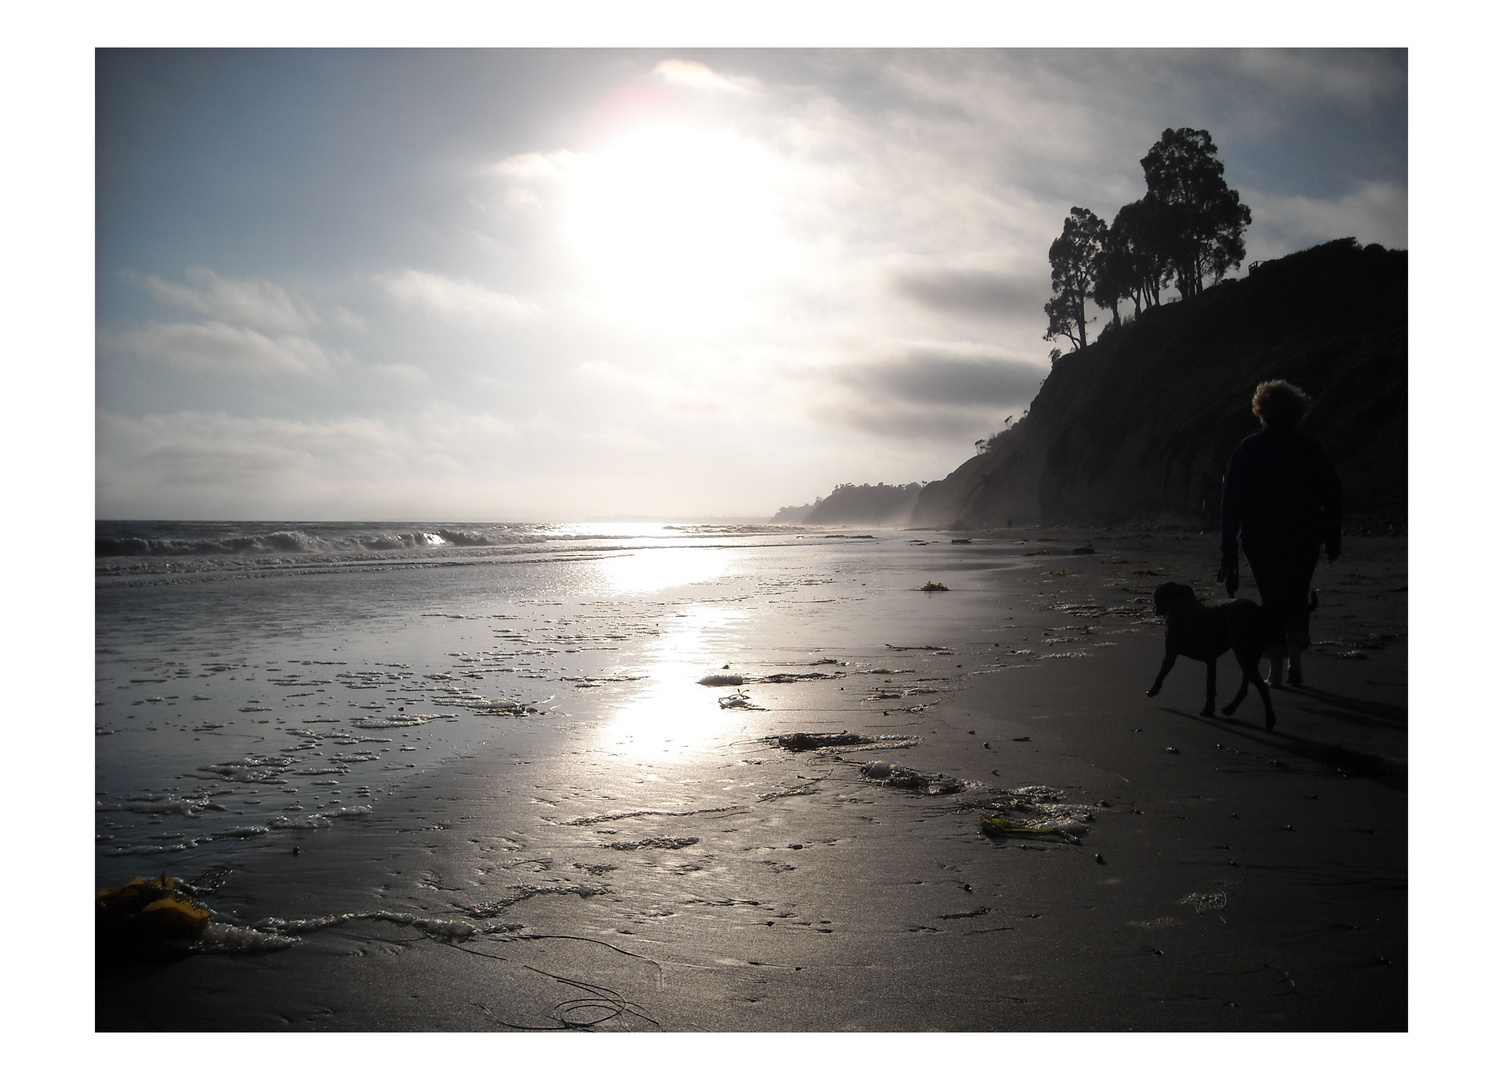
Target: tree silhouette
1140, 241
1187, 228
1133, 263
1114, 273
1200, 219
1073, 262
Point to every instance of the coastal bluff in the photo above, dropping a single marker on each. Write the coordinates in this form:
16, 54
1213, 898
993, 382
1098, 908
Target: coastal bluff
1139, 425
856, 504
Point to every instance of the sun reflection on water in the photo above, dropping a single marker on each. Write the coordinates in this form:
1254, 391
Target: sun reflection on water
670, 712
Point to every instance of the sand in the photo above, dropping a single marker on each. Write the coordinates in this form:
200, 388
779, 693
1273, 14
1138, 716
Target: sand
1228, 878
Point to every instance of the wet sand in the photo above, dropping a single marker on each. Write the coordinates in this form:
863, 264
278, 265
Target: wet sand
1227, 878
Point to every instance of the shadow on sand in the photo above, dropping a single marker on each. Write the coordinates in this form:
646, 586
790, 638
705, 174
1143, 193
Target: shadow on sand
1330, 758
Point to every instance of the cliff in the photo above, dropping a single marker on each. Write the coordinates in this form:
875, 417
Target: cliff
1139, 426
852, 504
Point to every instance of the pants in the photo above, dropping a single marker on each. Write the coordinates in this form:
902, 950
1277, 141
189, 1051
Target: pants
1283, 576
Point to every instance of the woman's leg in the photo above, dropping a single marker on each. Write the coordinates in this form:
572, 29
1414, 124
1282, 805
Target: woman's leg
1283, 577
1268, 571
1302, 564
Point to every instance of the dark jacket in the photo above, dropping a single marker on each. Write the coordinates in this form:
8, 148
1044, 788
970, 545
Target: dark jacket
1280, 491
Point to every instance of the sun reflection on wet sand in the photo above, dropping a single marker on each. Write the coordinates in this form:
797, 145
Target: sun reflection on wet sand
650, 570
670, 712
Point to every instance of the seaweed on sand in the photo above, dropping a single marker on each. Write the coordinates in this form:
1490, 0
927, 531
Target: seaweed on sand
801, 676
899, 776
808, 740
1000, 826
667, 843
802, 740
146, 916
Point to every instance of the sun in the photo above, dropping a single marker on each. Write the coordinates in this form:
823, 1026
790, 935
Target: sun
679, 224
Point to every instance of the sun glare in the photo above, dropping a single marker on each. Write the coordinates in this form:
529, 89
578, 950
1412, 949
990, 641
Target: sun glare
679, 224
670, 712
648, 571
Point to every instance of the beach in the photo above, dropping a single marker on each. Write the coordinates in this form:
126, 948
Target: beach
725, 779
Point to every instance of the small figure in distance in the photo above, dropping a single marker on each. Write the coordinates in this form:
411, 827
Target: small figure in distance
1282, 498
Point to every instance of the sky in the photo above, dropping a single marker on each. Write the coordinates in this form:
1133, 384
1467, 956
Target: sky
579, 284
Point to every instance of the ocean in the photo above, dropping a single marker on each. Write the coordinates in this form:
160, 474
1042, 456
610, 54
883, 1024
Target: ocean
261, 681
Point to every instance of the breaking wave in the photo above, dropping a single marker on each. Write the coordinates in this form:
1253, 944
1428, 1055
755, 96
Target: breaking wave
178, 539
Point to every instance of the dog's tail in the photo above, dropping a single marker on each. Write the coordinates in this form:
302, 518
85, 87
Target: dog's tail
1314, 601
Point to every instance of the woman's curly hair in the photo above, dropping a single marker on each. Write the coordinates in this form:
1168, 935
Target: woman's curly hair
1280, 404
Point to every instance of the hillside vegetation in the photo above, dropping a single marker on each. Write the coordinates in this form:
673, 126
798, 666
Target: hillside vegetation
853, 504
1139, 425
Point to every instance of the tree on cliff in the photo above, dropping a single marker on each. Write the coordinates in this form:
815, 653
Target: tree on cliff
1113, 279
1073, 261
1201, 220
1188, 227
1134, 260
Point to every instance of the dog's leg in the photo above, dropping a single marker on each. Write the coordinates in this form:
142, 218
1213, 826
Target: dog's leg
1231, 706
1267, 701
1248, 660
1210, 709
1158, 684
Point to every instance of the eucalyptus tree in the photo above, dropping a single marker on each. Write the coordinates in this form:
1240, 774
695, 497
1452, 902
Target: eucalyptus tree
1073, 262
1200, 220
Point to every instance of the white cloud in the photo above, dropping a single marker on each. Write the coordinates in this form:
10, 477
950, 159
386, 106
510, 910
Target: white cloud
456, 298
410, 373
254, 303
536, 166
347, 319
532, 180
696, 76
217, 349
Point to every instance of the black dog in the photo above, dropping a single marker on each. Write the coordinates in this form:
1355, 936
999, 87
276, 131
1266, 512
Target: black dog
1205, 631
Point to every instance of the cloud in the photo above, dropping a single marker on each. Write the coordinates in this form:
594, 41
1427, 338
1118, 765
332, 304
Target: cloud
207, 450
901, 421
217, 349
411, 373
454, 298
253, 303
974, 292
1374, 213
211, 464
696, 76
939, 379
933, 394
1356, 79
531, 180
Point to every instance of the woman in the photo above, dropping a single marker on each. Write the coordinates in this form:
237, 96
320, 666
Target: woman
1283, 499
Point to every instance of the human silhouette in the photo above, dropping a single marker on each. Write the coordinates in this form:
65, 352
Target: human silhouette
1282, 498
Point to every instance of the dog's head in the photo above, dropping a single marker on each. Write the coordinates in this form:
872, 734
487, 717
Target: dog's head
1168, 594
